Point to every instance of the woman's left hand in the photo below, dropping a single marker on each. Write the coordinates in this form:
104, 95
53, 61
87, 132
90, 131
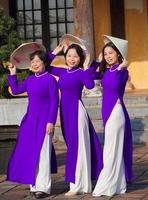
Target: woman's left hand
50, 128
123, 64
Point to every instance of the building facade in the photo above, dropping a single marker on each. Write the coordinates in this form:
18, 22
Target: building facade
46, 21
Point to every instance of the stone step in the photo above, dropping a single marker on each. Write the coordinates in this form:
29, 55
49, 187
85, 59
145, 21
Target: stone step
137, 106
128, 105
128, 99
136, 97
138, 136
138, 112
139, 131
8, 133
137, 124
134, 112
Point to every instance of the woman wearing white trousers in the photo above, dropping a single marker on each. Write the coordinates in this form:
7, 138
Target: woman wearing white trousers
117, 153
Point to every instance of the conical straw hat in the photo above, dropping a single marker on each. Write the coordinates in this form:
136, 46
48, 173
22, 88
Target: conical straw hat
122, 45
71, 39
20, 56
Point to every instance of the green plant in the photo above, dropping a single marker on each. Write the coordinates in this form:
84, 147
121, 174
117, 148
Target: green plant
8, 42
4, 93
8, 38
3, 84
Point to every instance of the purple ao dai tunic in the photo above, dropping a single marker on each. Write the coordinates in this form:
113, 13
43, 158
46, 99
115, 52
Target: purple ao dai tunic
42, 108
71, 83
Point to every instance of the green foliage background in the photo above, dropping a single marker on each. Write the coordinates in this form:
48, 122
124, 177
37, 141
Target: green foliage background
8, 42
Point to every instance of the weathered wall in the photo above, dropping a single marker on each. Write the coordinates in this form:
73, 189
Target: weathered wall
101, 18
136, 32
136, 25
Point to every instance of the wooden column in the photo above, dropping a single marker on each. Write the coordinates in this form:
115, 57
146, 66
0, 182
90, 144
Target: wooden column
83, 28
83, 23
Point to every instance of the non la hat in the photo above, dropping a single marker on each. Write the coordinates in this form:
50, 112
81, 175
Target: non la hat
21, 55
121, 44
71, 39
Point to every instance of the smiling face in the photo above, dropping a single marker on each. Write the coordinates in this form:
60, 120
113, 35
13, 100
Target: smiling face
37, 65
111, 56
72, 58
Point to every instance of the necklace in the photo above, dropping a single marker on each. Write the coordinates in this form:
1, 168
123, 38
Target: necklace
39, 75
72, 71
112, 70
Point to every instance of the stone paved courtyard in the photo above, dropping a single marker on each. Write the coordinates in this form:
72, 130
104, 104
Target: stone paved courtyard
138, 190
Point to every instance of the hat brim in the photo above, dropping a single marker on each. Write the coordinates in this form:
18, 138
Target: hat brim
121, 44
20, 56
71, 39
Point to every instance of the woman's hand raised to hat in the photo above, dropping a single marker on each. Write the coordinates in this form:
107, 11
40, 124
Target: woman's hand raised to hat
58, 49
12, 69
100, 57
123, 64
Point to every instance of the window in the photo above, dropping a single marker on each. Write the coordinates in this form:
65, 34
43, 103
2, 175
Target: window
44, 21
60, 19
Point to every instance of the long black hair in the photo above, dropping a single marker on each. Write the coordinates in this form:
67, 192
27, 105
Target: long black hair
79, 51
103, 65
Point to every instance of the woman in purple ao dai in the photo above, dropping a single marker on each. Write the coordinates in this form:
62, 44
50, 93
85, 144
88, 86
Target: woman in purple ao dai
84, 154
117, 152
33, 158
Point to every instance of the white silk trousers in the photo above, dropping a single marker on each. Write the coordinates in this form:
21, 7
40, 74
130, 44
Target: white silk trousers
112, 177
83, 166
43, 175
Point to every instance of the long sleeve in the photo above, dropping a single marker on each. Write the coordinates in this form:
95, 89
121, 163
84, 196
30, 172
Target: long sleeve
52, 69
92, 69
54, 96
124, 78
125, 75
51, 57
97, 75
15, 87
88, 80
57, 71
121, 78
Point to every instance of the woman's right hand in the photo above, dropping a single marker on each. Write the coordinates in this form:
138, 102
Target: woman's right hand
58, 49
100, 57
12, 69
